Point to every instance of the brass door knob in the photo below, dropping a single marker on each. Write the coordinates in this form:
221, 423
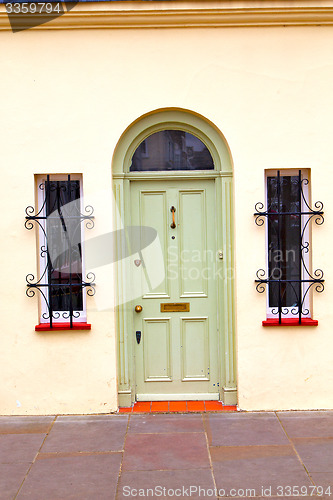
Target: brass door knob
138, 309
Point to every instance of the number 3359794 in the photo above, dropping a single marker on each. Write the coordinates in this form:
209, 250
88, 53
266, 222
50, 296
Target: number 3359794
34, 8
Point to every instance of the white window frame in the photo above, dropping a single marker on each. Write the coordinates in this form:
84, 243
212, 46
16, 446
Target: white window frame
307, 306
43, 309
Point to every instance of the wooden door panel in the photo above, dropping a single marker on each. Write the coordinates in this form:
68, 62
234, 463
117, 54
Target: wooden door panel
157, 350
193, 244
195, 349
153, 213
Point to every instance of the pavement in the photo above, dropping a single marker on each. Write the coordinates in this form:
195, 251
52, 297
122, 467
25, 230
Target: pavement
199, 455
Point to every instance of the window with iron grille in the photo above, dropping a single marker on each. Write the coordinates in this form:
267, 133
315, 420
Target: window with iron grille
288, 219
61, 282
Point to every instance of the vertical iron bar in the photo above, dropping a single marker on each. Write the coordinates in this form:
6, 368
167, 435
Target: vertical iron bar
300, 248
70, 262
58, 204
279, 243
49, 273
60, 278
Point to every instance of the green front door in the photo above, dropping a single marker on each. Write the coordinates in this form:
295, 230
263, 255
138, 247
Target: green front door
177, 356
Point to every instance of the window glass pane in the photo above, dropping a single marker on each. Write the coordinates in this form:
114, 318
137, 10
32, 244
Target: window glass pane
284, 240
63, 227
171, 150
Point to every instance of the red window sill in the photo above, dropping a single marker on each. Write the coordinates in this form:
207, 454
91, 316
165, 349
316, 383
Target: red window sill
290, 322
45, 327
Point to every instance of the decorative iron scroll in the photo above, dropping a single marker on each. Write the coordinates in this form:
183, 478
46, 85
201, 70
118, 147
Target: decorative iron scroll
299, 219
60, 213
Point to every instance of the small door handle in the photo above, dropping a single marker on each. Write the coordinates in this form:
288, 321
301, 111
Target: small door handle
173, 224
138, 309
138, 336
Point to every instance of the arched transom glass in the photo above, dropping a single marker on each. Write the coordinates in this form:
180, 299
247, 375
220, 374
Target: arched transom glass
171, 150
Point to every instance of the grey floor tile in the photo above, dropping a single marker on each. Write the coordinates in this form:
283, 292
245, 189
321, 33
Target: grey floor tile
323, 480
165, 451
316, 454
25, 425
244, 429
16, 448
167, 484
87, 477
249, 451
229, 453
303, 424
11, 477
87, 433
258, 467
324, 484
149, 423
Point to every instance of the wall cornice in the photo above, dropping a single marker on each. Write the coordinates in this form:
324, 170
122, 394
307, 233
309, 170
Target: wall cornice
180, 14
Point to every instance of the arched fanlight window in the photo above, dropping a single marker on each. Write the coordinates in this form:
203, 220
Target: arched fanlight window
171, 150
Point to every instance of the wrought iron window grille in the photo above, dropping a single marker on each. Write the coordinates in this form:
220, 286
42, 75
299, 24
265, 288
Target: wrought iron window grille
55, 286
277, 219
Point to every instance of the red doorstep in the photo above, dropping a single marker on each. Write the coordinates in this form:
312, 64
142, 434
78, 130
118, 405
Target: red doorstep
177, 407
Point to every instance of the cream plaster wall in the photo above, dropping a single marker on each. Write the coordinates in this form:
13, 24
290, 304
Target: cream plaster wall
66, 98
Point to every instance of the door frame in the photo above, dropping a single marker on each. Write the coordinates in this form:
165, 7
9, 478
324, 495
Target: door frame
208, 133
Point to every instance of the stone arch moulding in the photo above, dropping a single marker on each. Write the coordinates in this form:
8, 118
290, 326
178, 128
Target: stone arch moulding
207, 132
176, 118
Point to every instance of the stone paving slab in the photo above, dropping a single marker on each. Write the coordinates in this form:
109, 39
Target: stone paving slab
170, 484
74, 478
25, 425
150, 423
244, 429
315, 424
270, 471
316, 454
323, 479
106, 457
11, 478
170, 451
87, 433
16, 448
